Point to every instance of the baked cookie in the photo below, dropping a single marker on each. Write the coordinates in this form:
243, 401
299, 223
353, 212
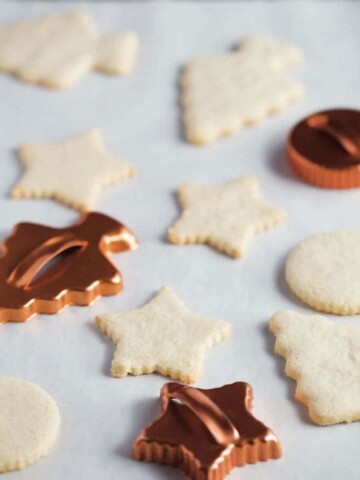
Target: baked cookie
223, 93
73, 172
225, 217
324, 358
29, 423
324, 271
58, 50
163, 336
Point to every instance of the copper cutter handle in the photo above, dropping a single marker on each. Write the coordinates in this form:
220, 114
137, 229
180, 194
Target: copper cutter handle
341, 132
217, 423
31, 264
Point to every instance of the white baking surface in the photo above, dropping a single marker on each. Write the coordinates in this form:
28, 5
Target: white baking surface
139, 117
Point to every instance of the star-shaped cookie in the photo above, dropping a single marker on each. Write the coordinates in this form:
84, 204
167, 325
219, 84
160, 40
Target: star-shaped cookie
225, 217
58, 50
223, 93
163, 336
72, 172
324, 358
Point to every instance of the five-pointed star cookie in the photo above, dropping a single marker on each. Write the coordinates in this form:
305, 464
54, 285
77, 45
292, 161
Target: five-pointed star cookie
58, 50
72, 172
163, 336
324, 358
225, 217
223, 93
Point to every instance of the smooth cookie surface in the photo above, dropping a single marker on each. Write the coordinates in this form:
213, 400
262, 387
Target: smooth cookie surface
324, 271
324, 358
223, 93
58, 50
72, 172
163, 336
226, 216
29, 423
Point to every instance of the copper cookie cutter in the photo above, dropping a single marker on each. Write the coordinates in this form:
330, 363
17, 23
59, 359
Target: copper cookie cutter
341, 132
206, 432
324, 148
83, 272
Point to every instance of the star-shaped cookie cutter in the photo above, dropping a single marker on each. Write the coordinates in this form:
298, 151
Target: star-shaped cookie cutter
206, 432
83, 272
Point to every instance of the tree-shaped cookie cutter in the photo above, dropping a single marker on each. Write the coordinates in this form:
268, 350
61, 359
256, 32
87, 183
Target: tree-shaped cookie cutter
44, 269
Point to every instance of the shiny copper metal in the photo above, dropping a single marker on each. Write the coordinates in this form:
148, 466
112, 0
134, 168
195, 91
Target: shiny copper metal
83, 272
324, 148
340, 131
206, 432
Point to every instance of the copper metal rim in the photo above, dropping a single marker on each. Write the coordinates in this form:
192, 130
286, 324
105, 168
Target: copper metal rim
225, 413
322, 176
78, 279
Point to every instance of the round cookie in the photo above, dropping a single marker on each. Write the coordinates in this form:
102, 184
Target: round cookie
29, 423
324, 272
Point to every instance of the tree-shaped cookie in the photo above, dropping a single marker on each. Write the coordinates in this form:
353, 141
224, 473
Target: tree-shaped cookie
223, 93
324, 358
58, 50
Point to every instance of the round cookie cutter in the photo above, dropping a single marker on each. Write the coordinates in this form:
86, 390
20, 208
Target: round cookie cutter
324, 149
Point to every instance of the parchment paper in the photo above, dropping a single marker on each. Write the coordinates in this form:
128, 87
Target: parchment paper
139, 117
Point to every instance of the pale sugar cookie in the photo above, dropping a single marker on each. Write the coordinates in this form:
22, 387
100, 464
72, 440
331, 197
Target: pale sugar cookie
225, 217
324, 271
221, 94
29, 423
73, 172
163, 336
58, 50
324, 359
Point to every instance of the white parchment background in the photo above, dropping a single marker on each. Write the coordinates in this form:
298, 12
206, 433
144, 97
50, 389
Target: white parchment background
139, 116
